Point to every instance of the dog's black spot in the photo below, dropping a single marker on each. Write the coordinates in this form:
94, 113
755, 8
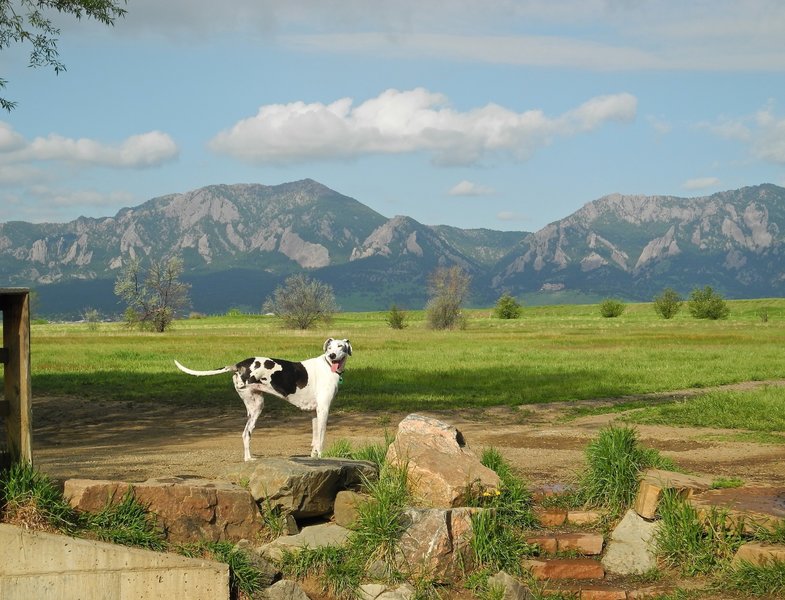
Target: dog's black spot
290, 378
257, 364
245, 368
269, 364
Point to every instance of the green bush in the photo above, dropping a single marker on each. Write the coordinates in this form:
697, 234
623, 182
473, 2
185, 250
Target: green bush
668, 303
396, 318
707, 304
507, 307
610, 308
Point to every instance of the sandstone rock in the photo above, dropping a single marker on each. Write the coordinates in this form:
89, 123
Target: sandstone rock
631, 546
551, 517
752, 507
546, 543
760, 554
583, 543
282, 590
513, 589
188, 508
655, 481
602, 592
442, 469
268, 571
313, 536
345, 508
435, 542
402, 592
583, 517
300, 486
564, 568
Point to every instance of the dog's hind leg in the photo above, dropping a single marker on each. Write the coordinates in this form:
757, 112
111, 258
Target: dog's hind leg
254, 403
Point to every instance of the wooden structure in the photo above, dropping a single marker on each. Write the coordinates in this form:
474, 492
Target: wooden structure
16, 407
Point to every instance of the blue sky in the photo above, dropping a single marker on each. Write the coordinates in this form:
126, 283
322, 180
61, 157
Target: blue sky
473, 113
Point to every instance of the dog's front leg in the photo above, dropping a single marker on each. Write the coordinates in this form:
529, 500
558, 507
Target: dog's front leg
254, 403
319, 431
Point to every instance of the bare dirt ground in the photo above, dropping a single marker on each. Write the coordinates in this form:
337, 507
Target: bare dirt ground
134, 441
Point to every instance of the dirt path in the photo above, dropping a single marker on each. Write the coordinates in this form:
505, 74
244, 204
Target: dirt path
134, 441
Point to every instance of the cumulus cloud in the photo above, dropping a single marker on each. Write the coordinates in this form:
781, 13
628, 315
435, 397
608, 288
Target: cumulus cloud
700, 183
136, 152
468, 188
409, 121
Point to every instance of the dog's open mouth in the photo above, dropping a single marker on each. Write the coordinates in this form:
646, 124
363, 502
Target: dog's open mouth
337, 365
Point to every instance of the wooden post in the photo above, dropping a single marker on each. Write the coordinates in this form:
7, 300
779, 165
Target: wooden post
17, 406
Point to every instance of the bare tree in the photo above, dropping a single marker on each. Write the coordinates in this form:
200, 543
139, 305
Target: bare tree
302, 301
448, 288
153, 298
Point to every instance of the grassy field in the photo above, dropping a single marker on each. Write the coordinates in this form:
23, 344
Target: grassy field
552, 353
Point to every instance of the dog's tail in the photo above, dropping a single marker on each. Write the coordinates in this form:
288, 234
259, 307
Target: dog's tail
203, 373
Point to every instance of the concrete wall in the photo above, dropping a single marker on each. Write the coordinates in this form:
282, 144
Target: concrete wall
36, 565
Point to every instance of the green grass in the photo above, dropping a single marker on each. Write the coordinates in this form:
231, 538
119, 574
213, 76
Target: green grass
551, 353
758, 580
761, 410
127, 522
615, 461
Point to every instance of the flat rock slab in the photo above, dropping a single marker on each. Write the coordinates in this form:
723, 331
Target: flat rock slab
314, 536
631, 546
755, 507
301, 486
656, 481
759, 554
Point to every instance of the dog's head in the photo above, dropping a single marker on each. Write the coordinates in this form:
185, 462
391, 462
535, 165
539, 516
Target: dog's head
336, 352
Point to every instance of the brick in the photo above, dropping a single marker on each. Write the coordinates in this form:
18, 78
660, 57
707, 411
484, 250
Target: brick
564, 568
546, 543
583, 517
655, 481
602, 592
551, 517
584, 543
760, 554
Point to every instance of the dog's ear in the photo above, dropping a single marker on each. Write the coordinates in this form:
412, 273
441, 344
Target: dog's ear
326, 343
348, 347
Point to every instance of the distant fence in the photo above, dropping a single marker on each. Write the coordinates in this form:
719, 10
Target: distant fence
16, 405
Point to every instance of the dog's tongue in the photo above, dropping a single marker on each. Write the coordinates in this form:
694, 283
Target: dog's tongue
335, 366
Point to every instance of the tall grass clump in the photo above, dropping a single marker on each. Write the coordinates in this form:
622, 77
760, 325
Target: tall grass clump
692, 544
759, 580
128, 523
615, 461
497, 540
28, 497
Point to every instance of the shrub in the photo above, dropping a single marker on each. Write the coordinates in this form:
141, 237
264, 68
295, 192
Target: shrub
507, 307
301, 302
707, 304
615, 461
668, 303
610, 308
396, 318
448, 288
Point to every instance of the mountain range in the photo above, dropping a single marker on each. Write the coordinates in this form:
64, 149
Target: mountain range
238, 242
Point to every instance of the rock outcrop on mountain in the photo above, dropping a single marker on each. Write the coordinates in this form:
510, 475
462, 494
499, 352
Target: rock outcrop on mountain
239, 241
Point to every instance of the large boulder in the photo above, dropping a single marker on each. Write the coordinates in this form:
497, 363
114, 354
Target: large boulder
300, 486
188, 508
435, 543
441, 467
631, 549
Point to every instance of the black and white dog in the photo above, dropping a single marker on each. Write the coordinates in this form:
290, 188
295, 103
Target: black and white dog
309, 385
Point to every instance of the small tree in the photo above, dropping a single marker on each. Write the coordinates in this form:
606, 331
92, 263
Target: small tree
301, 302
610, 308
507, 307
707, 304
396, 318
668, 303
153, 299
448, 288
92, 317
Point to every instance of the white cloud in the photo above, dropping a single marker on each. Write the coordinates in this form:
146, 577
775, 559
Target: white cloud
135, 152
79, 198
700, 183
763, 132
408, 121
468, 188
